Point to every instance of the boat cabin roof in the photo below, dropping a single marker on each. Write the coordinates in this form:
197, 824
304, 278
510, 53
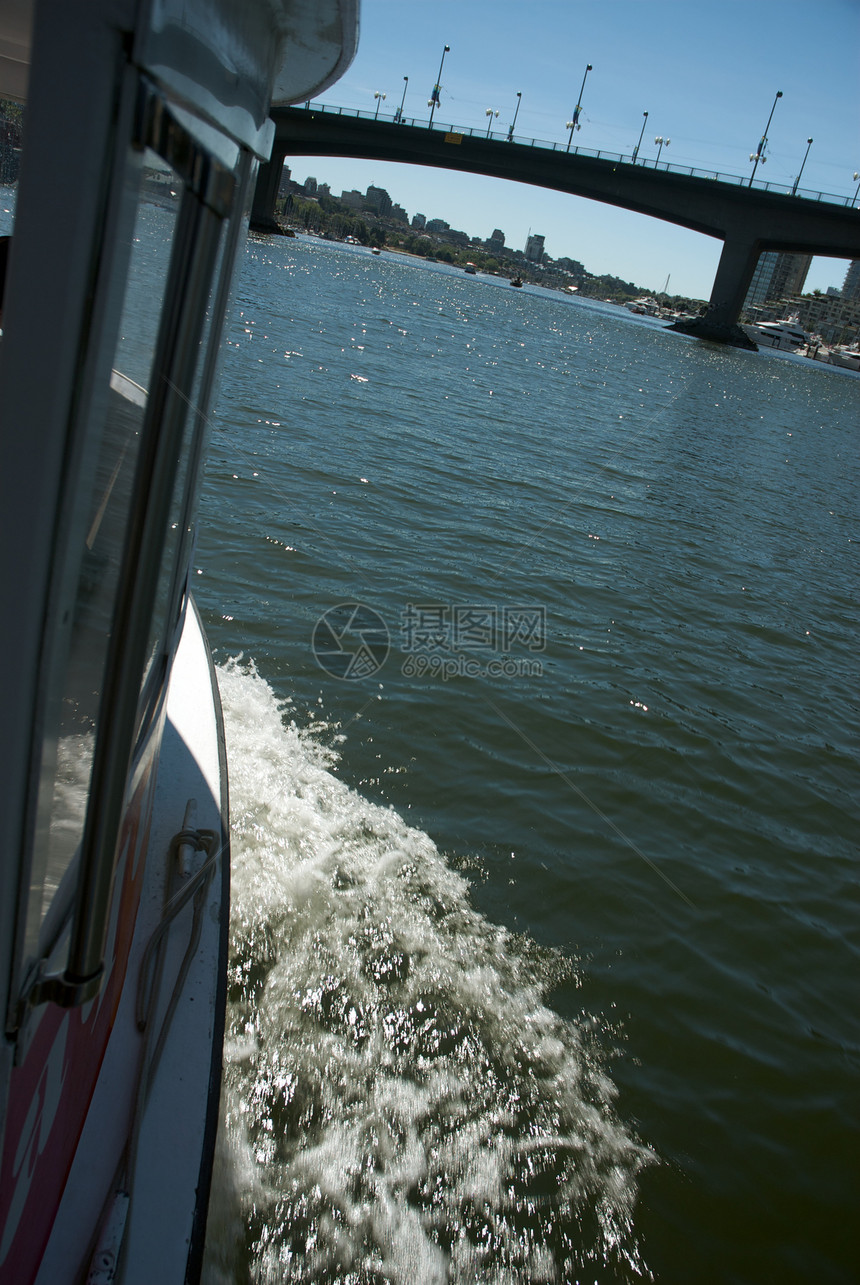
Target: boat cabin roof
310, 43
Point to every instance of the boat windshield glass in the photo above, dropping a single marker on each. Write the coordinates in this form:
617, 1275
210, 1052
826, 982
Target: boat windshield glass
94, 536
178, 536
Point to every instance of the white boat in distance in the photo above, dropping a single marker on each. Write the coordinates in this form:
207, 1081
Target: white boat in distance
644, 307
145, 123
847, 358
787, 335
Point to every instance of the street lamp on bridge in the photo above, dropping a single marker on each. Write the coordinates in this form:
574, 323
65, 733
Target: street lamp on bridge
574, 123
398, 117
491, 113
641, 133
803, 162
433, 100
758, 154
857, 189
663, 142
380, 99
516, 114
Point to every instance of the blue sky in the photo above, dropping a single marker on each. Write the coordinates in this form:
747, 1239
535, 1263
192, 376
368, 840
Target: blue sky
706, 75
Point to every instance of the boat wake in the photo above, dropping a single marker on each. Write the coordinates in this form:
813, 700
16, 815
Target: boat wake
400, 1104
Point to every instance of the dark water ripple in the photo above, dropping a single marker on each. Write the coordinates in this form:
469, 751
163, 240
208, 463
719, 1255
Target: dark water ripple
672, 802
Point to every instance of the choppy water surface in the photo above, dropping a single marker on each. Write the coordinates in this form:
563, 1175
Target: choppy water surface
544, 926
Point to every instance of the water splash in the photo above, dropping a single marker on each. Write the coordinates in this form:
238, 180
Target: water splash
400, 1104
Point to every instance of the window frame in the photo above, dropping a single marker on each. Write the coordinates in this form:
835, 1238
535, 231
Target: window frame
127, 707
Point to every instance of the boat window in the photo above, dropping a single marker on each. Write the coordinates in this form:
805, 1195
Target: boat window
93, 544
171, 586
119, 571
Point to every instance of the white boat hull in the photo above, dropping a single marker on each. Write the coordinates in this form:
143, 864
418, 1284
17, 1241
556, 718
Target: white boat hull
144, 1153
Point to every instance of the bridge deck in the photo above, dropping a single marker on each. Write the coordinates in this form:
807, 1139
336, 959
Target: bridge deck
747, 218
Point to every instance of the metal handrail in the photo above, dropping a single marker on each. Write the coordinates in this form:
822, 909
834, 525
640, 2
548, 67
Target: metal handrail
543, 145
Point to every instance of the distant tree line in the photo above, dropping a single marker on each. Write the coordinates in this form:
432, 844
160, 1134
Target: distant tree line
330, 218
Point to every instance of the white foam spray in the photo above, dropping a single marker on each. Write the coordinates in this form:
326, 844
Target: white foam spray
400, 1104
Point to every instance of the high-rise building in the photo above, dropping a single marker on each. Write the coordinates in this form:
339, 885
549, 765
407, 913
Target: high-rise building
534, 248
851, 284
497, 240
378, 199
418, 221
835, 320
777, 275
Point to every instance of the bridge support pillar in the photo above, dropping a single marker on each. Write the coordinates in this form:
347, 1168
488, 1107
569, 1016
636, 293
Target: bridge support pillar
265, 194
734, 274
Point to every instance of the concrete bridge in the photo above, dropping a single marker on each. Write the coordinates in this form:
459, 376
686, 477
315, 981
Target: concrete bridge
747, 219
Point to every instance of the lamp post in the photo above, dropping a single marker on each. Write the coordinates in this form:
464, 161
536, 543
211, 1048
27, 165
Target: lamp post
856, 190
433, 100
516, 114
641, 133
399, 117
805, 154
574, 123
380, 99
663, 142
491, 113
758, 154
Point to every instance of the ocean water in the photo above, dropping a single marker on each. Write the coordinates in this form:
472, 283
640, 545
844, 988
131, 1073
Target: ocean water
536, 635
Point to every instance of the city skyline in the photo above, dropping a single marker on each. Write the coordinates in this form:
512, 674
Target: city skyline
419, 221
706, 78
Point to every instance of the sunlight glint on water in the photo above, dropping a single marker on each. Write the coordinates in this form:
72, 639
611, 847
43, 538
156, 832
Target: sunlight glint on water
394, 433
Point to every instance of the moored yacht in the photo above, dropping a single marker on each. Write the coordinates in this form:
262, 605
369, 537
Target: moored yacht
847, 358
787, 335
644, 307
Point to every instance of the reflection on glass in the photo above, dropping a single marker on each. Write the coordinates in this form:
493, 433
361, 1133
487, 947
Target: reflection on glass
178, 533
90, 559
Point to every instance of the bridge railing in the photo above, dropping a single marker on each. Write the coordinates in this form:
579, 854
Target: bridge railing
505, 136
